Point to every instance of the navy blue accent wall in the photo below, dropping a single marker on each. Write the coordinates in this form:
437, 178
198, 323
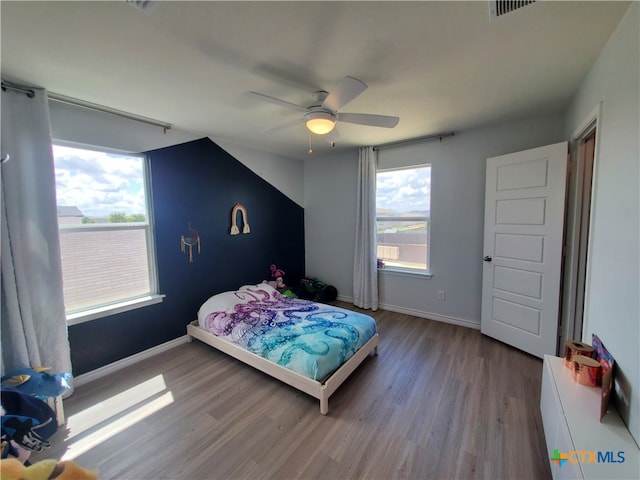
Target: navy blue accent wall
198, 183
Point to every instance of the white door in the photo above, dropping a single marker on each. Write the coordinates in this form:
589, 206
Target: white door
523, 236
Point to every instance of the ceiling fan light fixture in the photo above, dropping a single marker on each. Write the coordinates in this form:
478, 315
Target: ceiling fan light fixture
320, 123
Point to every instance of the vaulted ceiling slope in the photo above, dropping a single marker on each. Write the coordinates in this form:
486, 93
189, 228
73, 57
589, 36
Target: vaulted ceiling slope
439, 66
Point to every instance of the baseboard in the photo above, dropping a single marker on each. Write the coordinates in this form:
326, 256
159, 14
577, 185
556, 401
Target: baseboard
433, 316
475, 324
125, 362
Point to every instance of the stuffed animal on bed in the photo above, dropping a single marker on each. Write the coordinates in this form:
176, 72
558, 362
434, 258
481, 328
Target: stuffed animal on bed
276, 272
13, 469
278, 283
280, 286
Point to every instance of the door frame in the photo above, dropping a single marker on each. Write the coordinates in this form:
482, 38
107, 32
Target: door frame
573, 325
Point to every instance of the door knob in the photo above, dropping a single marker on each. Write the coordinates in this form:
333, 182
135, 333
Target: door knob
487, 258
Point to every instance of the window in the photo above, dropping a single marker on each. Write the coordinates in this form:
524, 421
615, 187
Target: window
106, 239
402, 218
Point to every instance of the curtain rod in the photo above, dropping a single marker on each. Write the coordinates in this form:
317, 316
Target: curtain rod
438, 136
16, 88
56, 97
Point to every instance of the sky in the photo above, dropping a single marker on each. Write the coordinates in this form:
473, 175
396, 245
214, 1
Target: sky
404, 190
99, 183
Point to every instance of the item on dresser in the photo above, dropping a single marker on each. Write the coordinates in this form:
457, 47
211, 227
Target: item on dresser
574, 347
586, 370
606, 360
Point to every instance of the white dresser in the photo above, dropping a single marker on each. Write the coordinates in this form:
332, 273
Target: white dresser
571, 421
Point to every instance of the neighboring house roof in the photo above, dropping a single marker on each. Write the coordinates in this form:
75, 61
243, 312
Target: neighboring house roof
69, 211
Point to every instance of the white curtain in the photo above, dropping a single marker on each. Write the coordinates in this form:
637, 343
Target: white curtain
365, 267
34, 330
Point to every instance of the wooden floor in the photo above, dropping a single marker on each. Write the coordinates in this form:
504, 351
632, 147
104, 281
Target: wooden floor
438, 402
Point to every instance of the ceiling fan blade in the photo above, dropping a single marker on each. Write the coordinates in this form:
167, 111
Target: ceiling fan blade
348, 89
276, 101
367, 119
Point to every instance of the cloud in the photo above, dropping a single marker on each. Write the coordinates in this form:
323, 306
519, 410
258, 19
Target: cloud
99, 183
404, 190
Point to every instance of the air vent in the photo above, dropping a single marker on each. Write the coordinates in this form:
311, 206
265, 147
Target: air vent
497, 8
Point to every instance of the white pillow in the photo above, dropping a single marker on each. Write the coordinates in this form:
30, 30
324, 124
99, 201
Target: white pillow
226, 301
222, 302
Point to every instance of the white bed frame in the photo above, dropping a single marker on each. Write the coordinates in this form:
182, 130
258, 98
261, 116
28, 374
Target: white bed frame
321, 391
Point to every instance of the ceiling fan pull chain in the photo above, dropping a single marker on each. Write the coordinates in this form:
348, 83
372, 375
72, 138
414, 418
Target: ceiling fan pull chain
310, 149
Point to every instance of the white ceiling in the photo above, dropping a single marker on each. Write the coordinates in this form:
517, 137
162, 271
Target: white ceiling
439, 66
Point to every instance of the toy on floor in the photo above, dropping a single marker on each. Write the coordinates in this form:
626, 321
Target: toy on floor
13, 469
37, 381
27, 423
310, 288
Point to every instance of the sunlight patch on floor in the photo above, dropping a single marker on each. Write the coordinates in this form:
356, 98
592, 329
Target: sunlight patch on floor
83, 428
109, 408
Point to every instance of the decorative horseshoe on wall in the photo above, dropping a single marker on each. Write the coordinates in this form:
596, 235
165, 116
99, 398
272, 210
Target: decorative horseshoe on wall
234, 226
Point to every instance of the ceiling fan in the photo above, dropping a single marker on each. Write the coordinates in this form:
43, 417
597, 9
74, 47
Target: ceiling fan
321, 117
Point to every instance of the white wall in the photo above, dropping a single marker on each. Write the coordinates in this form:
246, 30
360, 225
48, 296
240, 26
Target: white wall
457, 216
612, 309
286, 174
329, 214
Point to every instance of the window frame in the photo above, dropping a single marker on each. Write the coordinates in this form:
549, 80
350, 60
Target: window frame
407, 271
97, 311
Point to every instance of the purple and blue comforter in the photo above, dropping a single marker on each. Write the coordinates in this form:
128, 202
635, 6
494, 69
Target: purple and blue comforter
309, 338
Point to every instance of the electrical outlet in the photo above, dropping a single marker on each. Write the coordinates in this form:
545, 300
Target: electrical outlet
440, 294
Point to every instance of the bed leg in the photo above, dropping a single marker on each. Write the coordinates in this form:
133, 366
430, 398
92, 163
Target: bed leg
375, 350
324, 406
189, 339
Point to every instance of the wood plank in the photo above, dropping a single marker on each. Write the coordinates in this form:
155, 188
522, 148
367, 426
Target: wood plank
440, 401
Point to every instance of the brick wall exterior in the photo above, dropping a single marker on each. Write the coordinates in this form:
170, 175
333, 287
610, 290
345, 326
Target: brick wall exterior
102, 266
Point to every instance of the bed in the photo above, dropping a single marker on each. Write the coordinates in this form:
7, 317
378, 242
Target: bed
311, 346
